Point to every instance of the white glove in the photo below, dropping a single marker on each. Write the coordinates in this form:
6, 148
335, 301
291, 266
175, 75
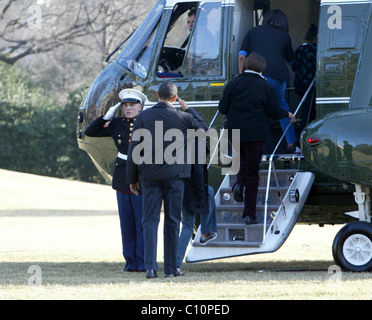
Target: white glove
110, 113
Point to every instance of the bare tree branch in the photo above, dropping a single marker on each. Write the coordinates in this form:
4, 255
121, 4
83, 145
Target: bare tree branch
75, 37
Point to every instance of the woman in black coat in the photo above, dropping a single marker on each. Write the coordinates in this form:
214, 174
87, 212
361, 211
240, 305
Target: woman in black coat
249, 102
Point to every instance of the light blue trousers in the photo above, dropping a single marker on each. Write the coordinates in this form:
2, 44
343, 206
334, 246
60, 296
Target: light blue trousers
208, 224
279, 87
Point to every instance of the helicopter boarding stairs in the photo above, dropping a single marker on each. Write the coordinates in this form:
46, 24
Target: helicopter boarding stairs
281, 196
279, 215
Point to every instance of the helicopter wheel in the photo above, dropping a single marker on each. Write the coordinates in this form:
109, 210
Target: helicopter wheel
352, 247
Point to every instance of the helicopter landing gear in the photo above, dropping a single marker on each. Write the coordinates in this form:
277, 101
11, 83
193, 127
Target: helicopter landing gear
352, 247
362, 196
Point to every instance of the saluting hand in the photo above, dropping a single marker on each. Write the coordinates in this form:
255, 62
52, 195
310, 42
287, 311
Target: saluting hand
110, 113
182, 103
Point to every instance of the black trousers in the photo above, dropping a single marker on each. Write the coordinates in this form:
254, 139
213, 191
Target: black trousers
153, 193
248, 176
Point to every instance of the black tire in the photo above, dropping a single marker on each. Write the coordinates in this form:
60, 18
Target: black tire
352, 247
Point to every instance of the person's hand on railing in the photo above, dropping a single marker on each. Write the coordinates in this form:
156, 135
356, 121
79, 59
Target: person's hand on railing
292, 117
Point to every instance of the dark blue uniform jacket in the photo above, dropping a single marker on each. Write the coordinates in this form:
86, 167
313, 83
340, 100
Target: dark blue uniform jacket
119, 128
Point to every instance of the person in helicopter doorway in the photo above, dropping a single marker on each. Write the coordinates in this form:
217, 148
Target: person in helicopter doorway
305, 70
129, 205
272, 41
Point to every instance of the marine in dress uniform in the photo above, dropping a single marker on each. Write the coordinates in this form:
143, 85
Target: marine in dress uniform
129, 205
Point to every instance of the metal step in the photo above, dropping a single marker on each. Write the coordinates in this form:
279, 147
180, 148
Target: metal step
235, 244
236, 235
227, 197
285, 177
233, 214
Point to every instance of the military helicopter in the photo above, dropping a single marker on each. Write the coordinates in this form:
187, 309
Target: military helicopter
331, 177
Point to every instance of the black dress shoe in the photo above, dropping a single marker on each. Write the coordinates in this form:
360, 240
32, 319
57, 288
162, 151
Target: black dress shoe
291, 149
249, 220
178, 273
238, 193
151, 274
169, 275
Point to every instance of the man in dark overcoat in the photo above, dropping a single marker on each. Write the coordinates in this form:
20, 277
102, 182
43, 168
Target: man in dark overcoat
157, 161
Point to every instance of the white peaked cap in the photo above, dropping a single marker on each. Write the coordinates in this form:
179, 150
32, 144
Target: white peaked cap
132, 95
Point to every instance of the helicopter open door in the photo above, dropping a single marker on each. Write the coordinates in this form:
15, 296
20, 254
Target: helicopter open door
193, 52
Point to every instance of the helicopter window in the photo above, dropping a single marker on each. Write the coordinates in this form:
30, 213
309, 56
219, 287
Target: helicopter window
203, 56
181, 25
136, 55
176, 40
347, 36
194, 32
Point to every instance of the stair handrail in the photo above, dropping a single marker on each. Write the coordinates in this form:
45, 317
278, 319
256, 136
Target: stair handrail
271, 165
214, 119
219, 139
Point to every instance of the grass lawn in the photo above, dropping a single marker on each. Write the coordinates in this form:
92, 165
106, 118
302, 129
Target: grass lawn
67, 233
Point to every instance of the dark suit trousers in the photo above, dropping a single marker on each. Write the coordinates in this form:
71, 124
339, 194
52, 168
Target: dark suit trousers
248, 176
153, 192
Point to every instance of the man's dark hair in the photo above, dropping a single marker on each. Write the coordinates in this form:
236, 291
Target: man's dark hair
255, 62
167, 91
312, 33
192, 12
277, 19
